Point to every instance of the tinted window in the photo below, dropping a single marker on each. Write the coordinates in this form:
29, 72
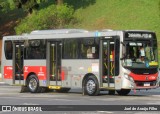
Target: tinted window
8, 49
89, 49
35, 49
70, 49
85, 48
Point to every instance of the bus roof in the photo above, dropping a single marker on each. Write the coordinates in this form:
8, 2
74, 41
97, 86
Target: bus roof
137, 31
68, 33
59, 34
58, 31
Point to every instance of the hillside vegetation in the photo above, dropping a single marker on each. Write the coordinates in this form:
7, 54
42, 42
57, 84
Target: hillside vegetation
52, 17
100, 14
121, 14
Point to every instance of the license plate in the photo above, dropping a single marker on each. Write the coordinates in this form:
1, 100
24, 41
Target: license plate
146, 84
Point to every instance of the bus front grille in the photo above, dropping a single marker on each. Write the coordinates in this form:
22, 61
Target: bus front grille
145, 71
141, 83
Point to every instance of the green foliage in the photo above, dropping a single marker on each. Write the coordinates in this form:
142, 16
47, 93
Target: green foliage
4, 6
80, 3
48, 18
41, 1
27, 5
11, 4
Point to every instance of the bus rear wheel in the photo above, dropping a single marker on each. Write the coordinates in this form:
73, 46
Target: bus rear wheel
123, 91
91, 86
33, 84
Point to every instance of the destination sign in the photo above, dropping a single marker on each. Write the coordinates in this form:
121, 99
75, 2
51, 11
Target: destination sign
17, 38
139, 35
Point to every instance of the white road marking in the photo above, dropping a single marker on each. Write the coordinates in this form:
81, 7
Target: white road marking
154, 103
156, 95
108, 112
39, 98
29, 104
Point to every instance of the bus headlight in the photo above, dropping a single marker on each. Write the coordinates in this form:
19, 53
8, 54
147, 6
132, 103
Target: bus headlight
126, 76
129, 78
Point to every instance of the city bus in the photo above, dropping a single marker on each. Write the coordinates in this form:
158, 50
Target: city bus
112, 60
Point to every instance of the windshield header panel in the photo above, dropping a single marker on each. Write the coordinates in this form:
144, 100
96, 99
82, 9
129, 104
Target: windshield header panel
139, 35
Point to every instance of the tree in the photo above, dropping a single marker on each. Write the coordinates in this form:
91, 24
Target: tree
59, 2
27, 5
4, 6
1, 7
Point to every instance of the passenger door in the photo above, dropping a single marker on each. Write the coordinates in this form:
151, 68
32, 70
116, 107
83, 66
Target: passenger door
109, 60
18, 60
54, 62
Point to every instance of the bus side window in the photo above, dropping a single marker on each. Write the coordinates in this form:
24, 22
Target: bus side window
8, 49
70, 49
89, 52
36, 51
88, 49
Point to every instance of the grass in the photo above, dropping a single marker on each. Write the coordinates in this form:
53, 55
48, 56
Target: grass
121, 15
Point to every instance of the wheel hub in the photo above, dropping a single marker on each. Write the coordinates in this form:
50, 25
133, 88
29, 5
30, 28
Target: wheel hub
33, 84
91, 86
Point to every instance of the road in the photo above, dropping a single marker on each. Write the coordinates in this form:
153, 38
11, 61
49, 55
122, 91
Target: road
10, 95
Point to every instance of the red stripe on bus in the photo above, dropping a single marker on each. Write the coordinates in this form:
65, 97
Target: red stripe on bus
40, 71
62, 75
8, 71
149, 77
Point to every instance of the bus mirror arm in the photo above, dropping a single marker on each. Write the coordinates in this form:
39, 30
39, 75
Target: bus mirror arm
124, 56
121, 58
123, 43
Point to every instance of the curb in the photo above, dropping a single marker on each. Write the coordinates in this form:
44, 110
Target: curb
0, 77
2, 83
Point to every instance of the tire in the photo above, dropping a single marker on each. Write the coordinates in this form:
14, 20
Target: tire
33, 84
91, 86
123, 91
63, 90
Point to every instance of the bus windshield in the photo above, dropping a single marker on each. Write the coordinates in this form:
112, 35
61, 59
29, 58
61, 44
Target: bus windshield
140, 54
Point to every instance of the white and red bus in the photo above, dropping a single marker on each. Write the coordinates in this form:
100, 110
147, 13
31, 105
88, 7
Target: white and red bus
74, 58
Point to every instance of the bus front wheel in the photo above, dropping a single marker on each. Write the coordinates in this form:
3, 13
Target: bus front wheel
123, 91
91, 86
33, 84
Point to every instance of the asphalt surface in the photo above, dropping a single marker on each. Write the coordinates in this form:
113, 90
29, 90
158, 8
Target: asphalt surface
10, 95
